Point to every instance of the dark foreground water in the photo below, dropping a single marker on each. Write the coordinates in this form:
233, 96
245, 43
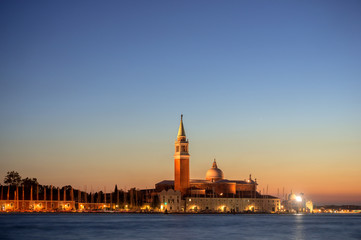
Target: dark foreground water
142, 226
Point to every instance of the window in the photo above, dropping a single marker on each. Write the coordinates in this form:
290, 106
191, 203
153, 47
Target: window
177, 149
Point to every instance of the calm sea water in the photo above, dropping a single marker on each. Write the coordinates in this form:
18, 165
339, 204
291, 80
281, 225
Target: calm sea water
142, 226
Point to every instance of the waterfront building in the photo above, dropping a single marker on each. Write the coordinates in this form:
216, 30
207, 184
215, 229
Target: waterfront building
24, 199
297, 203
171, 201
234, 205
214, 193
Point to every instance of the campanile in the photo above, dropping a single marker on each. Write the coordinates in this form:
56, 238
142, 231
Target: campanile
181, 161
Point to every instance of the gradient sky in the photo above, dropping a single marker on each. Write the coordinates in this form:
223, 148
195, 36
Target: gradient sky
92, 91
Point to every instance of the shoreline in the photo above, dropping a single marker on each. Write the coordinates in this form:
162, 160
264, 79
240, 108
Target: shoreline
174, 213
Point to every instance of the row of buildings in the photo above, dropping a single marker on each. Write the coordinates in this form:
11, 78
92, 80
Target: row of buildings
183, 194
50, 199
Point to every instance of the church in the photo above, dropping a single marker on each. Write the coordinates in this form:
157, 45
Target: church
214, 193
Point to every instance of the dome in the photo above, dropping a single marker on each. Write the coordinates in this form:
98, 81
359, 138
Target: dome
214, 173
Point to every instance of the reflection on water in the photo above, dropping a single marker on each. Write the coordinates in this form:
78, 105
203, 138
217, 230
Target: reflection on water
299, 228
142, 226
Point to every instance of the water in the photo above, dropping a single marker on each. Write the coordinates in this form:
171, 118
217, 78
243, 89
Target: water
154, 226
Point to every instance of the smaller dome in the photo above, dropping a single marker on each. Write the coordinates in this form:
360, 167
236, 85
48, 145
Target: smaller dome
214, 173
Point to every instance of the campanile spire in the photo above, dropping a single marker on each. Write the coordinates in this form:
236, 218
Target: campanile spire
181, 133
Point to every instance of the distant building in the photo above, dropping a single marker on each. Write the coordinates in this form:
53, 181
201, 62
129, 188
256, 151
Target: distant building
40, 198
171, 201
297, 203
214, 193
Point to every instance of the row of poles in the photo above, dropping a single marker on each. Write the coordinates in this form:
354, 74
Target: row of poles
81, 196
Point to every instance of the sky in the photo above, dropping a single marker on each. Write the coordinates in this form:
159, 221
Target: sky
91, 93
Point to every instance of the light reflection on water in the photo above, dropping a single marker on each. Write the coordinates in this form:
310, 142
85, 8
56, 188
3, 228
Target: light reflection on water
154, 226
299, 226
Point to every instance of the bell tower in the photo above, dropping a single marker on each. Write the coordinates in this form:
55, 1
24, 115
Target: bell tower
181, 161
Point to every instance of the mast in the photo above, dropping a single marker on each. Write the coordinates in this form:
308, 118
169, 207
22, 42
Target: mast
51, 196
46, 205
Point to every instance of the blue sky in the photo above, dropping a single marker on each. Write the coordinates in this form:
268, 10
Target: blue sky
90, 82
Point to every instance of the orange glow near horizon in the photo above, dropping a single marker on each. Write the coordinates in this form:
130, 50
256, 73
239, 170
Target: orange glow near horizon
325, 171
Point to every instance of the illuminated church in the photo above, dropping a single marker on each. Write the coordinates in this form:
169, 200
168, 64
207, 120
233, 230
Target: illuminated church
212, 187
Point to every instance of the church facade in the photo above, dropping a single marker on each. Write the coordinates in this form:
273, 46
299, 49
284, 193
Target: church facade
214, 193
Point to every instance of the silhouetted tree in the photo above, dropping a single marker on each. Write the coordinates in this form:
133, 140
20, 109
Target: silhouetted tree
67, 187
27, 182
12, 178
